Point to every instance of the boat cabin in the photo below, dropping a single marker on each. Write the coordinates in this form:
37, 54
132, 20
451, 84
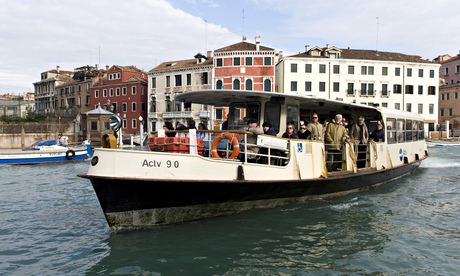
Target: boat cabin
280, 110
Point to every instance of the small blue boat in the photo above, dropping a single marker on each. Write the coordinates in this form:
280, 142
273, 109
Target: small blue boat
46, 151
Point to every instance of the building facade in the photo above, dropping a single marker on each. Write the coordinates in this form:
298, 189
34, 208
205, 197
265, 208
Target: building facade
123, 90
45, 89
369, 77
449, 91
174, 77
74, 96
243, 66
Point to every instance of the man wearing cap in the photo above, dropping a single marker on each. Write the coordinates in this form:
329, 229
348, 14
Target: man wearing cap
378, 134
360, 134
315, 128
251, 141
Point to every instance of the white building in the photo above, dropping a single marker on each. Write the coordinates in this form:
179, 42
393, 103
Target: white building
369, 77
172, 77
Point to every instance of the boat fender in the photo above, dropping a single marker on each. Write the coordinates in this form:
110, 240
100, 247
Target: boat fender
70, 154
230, 137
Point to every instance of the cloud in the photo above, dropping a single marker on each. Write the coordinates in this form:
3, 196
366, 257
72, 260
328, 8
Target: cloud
35, 36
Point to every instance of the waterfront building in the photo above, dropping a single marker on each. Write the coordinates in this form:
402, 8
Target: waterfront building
17, 106
123, 90
369, 77
45, 89
175, 77
73, 96
449, 91
243, 66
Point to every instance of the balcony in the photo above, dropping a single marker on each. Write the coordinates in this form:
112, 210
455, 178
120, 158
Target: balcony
154, 115
177, 114
204, 113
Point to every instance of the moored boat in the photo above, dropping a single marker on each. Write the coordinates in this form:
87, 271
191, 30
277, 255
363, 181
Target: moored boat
442, 143
46, 151
185, 178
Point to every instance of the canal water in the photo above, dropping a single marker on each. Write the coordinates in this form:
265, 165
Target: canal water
51, 224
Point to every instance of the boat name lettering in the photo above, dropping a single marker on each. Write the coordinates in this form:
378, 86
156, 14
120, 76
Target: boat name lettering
157, 164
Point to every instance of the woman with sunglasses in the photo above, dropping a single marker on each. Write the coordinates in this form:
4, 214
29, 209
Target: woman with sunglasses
303, 132
290, 132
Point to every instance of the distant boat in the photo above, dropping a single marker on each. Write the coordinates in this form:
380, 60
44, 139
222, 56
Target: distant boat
46, 151
442, 143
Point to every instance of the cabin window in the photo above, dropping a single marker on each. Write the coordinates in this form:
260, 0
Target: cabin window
400, 130
421, 130
409, 130
240, 113
272, 115
292, 115
414, 130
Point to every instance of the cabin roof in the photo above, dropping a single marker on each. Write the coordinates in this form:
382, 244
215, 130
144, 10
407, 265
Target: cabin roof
225, 97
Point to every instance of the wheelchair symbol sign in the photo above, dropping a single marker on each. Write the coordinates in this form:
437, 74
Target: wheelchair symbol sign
299, 147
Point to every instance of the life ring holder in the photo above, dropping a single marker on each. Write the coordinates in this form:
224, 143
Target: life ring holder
230, 137
70, 154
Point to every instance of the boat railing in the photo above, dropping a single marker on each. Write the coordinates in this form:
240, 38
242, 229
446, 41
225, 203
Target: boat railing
231, 145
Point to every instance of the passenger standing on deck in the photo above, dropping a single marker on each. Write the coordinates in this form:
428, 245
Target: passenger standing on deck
315, 128
169, 126
378, 134
360, 134
336, 135
251, 141
268, 129
202, 135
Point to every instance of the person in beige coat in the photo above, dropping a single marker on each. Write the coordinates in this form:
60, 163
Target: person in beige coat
336, 135
315, 128
360, 134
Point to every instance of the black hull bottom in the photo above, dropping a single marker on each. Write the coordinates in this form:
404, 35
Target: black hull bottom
137, 202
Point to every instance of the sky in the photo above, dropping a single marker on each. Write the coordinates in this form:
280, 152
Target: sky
38, 35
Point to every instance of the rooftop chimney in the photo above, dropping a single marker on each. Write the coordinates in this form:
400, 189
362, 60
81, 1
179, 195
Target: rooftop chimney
57, 68
257, 43
307, 48
208, 54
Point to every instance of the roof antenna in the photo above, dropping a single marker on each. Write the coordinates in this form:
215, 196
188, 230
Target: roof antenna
377, 40
244, 37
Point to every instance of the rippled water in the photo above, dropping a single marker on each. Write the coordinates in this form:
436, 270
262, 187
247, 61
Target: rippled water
51, 224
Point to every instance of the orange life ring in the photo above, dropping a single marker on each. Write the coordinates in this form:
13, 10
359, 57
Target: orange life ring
230, 137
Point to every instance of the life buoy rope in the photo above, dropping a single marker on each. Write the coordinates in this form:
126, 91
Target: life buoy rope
230, 137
